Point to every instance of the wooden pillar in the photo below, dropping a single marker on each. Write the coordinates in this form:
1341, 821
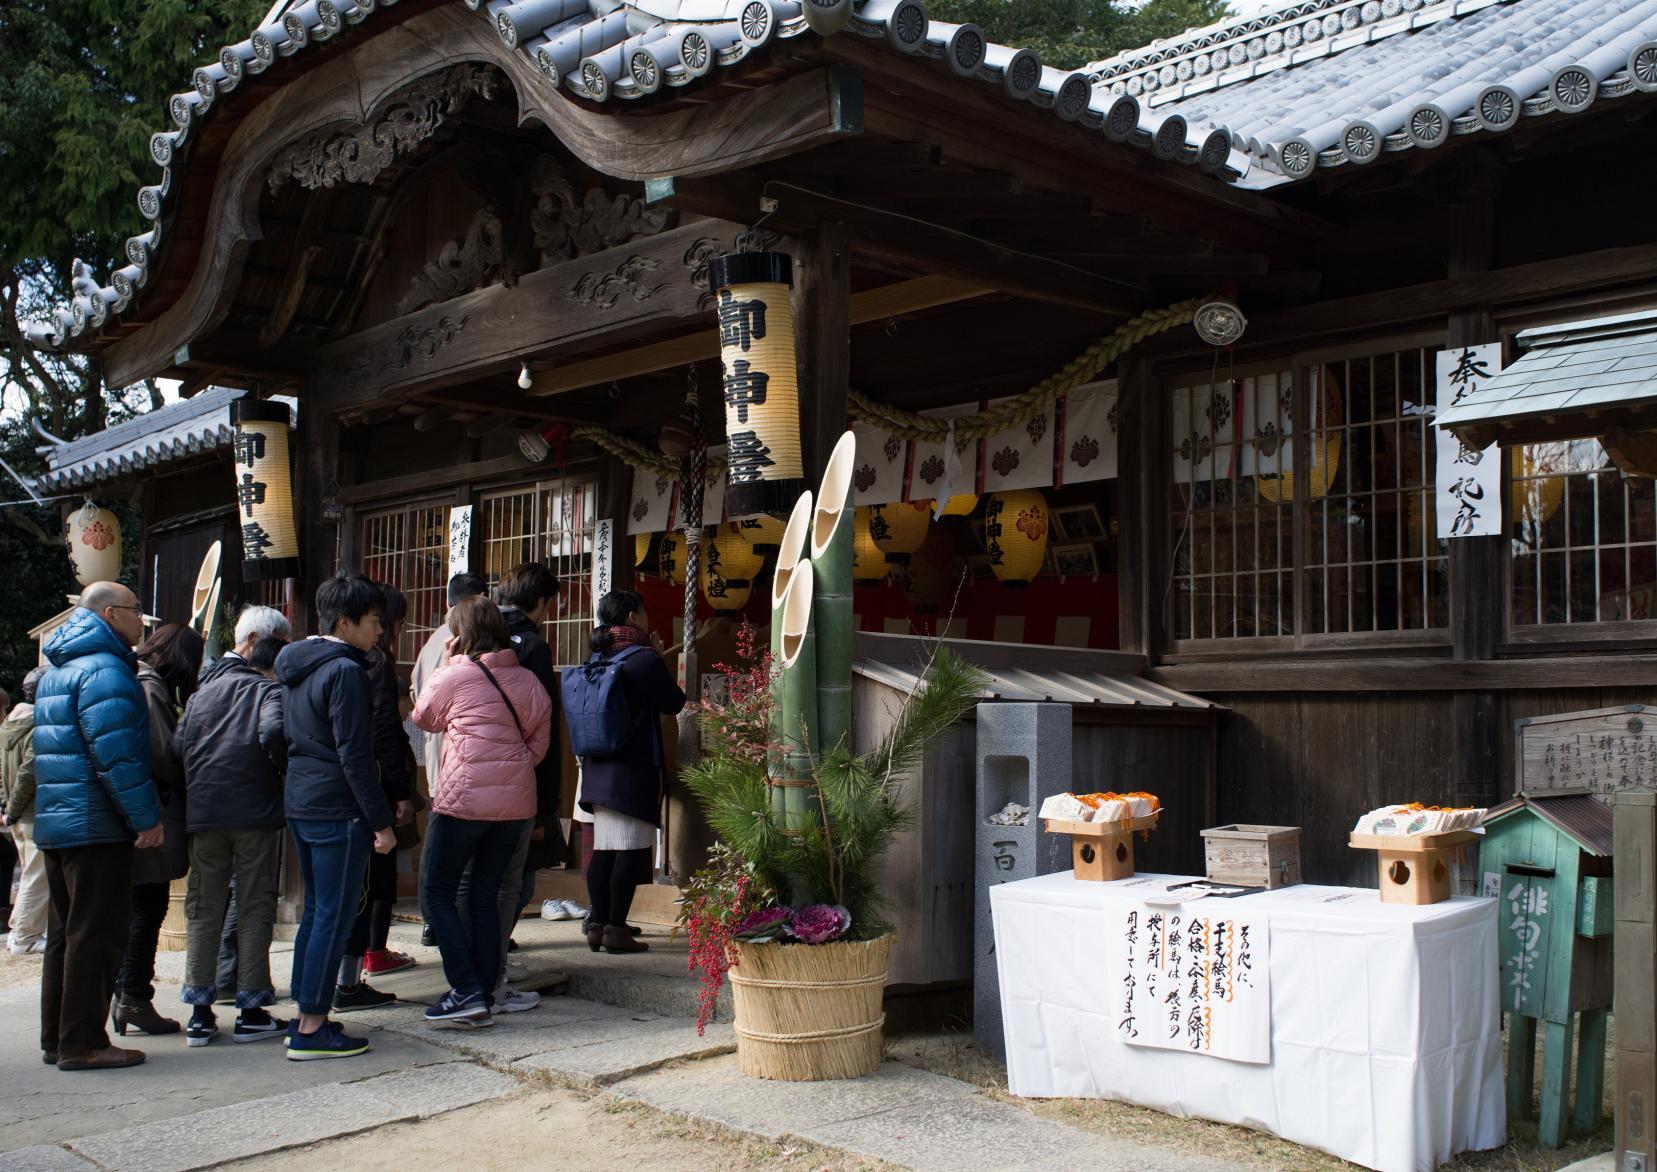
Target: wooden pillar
318, 441
1477, 565
1138, 445
822, 328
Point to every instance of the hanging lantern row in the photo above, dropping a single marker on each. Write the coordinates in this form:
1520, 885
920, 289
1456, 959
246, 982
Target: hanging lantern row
760, 382
1015, 532
264, 490
868, 563
763, 533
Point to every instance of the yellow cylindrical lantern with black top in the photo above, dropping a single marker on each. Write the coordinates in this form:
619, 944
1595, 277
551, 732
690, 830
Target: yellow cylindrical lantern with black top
868, 563
760, 382
670, 558
1015, 533
900, 529
264, 490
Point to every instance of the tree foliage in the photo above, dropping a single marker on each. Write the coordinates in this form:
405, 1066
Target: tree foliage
1070, 33
83, 85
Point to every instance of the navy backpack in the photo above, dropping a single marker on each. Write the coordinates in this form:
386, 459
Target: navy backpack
596, 709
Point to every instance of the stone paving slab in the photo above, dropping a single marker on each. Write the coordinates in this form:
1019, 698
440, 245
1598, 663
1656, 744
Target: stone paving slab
44, 1158
900, 1114
629, 1048
209, 1138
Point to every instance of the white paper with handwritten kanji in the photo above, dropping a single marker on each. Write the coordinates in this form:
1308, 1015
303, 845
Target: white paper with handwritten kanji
1194, 978
1469, 481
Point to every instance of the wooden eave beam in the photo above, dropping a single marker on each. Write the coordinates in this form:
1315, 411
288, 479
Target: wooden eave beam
878, 304
906, 241
1635, 452
977, 125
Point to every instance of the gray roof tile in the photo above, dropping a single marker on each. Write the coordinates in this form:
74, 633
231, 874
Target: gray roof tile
1259, 101
1573, 367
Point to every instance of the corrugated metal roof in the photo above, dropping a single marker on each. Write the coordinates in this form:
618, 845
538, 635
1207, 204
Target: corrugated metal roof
1020, 684
173, 432
1583, 817
1571, 367
1259, 101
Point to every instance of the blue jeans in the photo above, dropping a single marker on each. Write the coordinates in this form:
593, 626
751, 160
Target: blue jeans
333, 856
470, 945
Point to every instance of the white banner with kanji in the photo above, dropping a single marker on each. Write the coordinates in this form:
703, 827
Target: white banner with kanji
460, 539
1468, 492
604, 556
1020, 456
877, 476
944, 468
651, 507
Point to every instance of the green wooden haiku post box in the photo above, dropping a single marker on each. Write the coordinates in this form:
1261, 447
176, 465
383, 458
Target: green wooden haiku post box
1547, 858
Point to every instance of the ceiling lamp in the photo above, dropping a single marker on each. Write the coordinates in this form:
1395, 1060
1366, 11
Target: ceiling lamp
899, 529
1219, 323
1015, 532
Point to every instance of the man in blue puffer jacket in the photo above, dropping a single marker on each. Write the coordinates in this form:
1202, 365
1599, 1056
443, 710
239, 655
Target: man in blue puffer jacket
94, 804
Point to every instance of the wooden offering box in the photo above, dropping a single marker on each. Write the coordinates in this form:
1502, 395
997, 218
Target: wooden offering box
1415, 868
1101, 851
1253, 856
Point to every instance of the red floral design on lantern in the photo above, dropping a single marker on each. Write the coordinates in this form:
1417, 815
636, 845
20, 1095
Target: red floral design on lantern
1032, 523
97, 535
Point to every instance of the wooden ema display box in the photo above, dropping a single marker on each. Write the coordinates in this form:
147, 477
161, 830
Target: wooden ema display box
1415, 868
1253, 856
1101, 851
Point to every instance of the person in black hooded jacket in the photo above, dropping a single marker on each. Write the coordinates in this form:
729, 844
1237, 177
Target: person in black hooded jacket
336, 809
366, 953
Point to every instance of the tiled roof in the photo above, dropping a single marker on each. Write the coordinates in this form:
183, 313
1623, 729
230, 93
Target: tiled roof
184, 428
1259, 101
1567, 368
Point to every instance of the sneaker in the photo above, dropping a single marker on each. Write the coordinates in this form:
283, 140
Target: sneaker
363, 996
203, 1027
516, 971
35, 948
458, 1009
510, 1000
428, 936
256, 1026
328, 1042
379, 962
562, 909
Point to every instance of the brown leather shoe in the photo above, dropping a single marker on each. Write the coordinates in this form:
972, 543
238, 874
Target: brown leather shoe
113, 1058
621, 940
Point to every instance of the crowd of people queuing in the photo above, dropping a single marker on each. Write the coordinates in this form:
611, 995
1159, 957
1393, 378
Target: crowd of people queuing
128, 764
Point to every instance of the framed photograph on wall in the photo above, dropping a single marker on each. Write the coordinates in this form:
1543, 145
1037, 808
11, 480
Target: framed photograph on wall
1075, 560
1079, 523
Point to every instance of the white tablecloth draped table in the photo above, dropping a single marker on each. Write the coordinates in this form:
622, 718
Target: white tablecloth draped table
1385, 1020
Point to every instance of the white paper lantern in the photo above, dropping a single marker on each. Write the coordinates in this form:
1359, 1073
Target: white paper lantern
94, 539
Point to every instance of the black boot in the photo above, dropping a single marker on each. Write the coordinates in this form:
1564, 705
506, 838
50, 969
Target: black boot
130, 1013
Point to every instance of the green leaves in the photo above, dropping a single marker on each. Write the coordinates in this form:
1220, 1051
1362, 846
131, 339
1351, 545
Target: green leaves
1071, 33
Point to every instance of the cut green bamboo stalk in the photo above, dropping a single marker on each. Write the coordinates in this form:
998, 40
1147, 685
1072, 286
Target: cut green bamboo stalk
790, 552
832, 530
799, 693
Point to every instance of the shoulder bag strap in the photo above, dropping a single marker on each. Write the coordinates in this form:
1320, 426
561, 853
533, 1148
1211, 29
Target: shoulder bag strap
491, 677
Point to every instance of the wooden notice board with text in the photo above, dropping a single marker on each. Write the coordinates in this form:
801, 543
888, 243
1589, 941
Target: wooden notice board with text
1602, 750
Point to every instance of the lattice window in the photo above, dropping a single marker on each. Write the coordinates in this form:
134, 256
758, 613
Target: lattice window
551, 523
1584, 537
1373, 558
1231, 510
273, 592
408, 548
1302, 503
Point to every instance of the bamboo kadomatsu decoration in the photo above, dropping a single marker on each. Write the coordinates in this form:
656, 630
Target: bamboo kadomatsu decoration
799, 699
790, 556
832, 525
760, 382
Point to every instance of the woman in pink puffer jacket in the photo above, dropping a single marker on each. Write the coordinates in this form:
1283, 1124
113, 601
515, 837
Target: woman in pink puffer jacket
496, 721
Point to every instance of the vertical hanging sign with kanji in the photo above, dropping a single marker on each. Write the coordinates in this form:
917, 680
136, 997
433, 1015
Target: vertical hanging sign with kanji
460, 539
1468, 492
604, 553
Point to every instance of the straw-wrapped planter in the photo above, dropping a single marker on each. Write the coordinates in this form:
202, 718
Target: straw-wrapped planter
806, 1013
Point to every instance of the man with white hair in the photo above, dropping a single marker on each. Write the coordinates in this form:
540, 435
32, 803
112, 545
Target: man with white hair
233, 746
